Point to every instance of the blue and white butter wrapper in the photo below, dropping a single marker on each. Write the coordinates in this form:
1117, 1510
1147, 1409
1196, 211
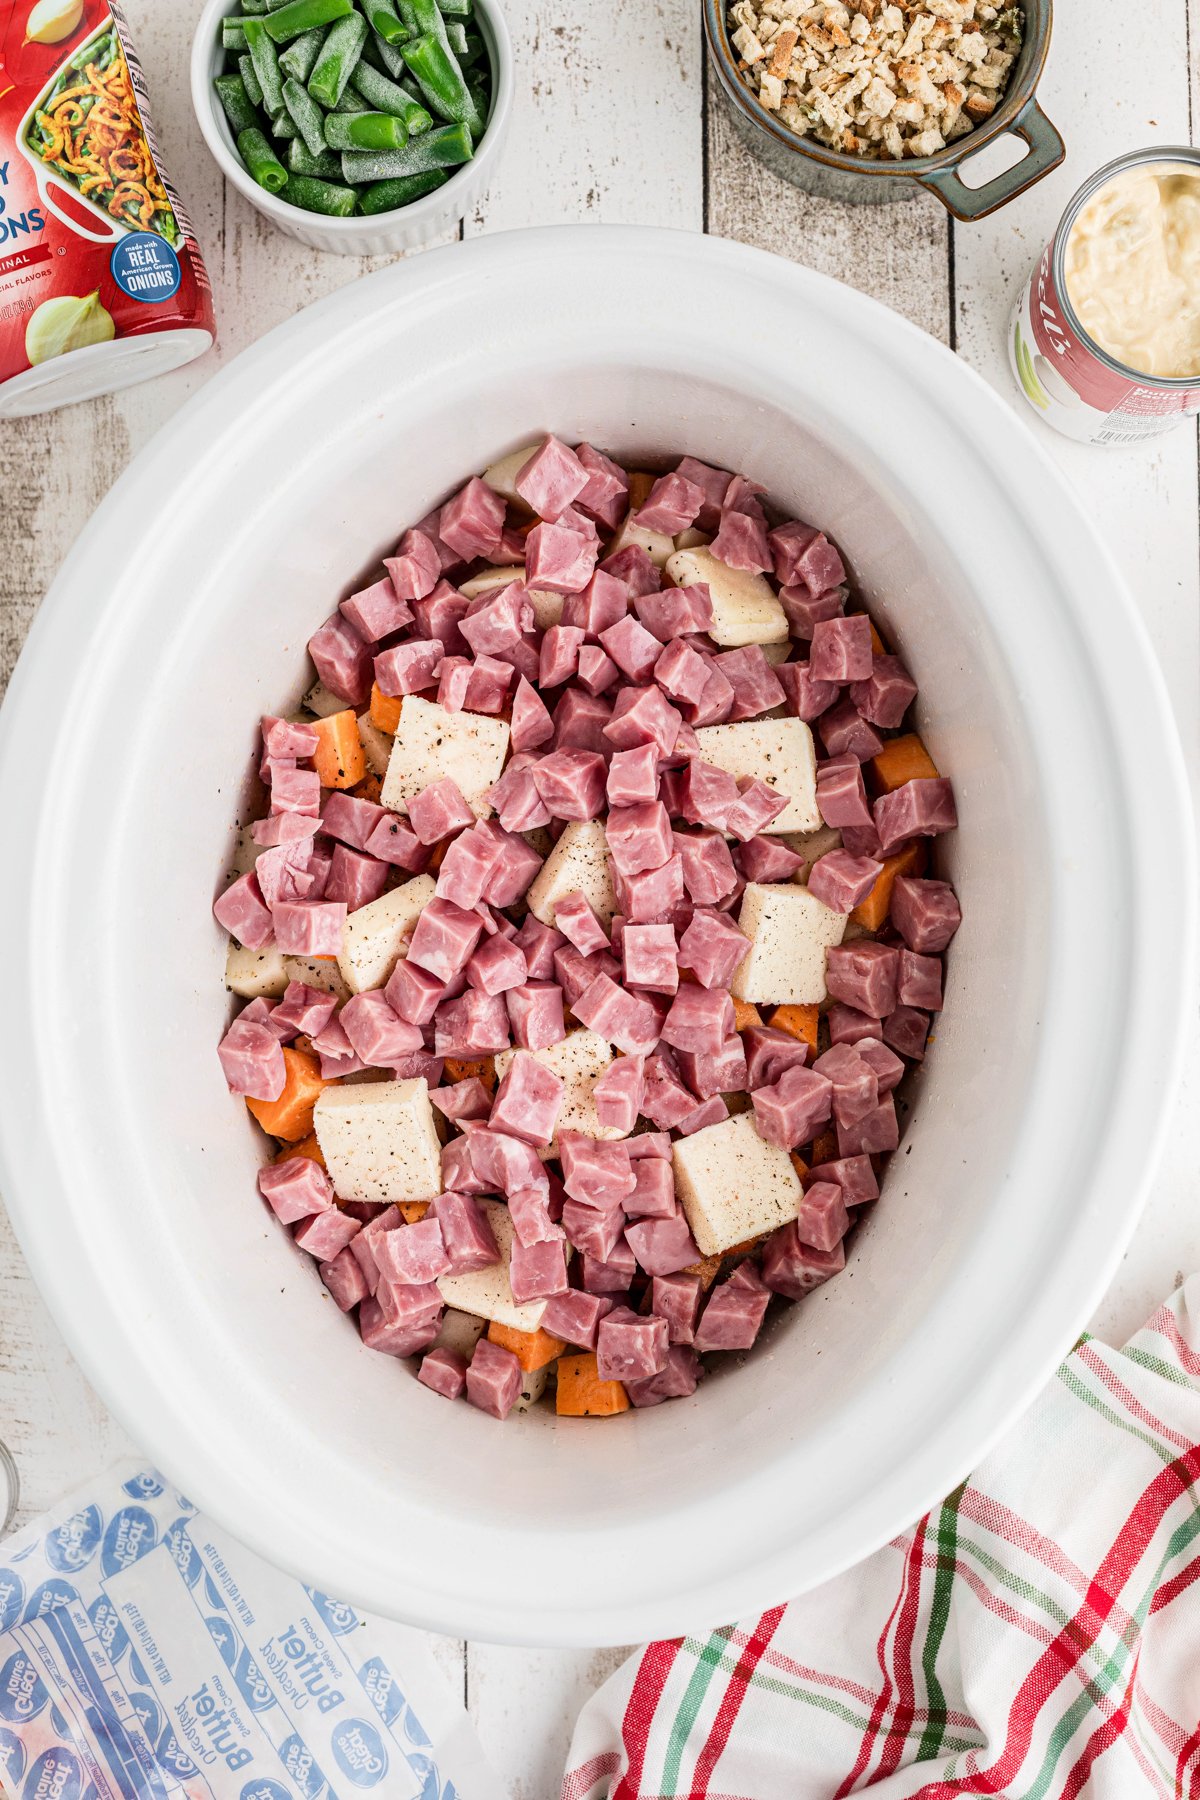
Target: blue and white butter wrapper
146, 1655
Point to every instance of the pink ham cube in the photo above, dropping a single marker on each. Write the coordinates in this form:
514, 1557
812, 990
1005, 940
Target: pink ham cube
863, 975
349, 819
722, 1073
671, 505
535, 1012
625, 1019
295, 790
805, 698
579, 924
769, 1052
651, 895
606, 495
412, 1255
639, 838
374, 612
243, 912
378, 1035
848, 1026
496, 966
327, 1234
528, 1100
678, 1378
342, 660
707, 795
537, 943
683, 673
888, 1067
285, 737
632, 648
295, 1189
756, 685
443, 938
493, 1378
855, 1081
653, 1195
571, 783
551, 480
531, 721
355, 878
537, 1271
413, 992
303, 928
885, 696
853, 1174
592, 1232
805, 556
757, 804
633, 776
708, 871
666, 1100
712, 947
675, 612
709, 1112
844, 732
841, 649
792, 1110
878, 1132
579, 721
476, 1024
906, 1030
925, 913
741, 542
768, 859
700, 1019
393, 842
676, 1298
444, 1371
596, 1171
344, 1279
303, 1009
629, 1347
405, 1337
558, 559
530, 1210
409, 668
840, 881
919, 981
466, 1233
916, 809
822, 1221
643, 715
575, 1317
252, 1059
618, 1094
416, 568
609, 1277
734, 1313
438, 810
467, 1099
497, 619
633, 568
649, 957
793, 1268
503, 1162
471, 522
662, 1246
559, 655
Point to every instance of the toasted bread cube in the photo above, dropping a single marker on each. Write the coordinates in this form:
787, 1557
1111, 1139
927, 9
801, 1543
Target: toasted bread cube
502, 474
487, 1292
732, 1185
547, 607
789, 930
777, 751
746, 609
255, 974
579, 1060
375, 934
431, 743
318, 972
657, 545
578, 860
379, 1140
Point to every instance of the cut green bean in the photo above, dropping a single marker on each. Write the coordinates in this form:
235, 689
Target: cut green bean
441, 81
385, 21
232, 35
283, 127
340, 55
239, 109
475, 51
254, 6
320, 196
326, 167
382, 56
440, 149
299, 16
388, 96
352, 102
365, 131
456, 37
266, 64
386, 196
306, 115
261, 160
250, 80
457, 9
422, 18
299, 59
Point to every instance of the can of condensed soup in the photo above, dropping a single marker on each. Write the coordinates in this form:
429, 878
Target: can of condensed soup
1105, 337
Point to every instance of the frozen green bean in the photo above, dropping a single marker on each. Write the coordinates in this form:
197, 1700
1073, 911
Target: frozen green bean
383, 56
261, 160
388, 96
320, 196
441, 81
283, 127
365, 131
254, 6
384, 20
456, 37
440, 149
250, 80
301, 54
457, 9
340, 54
475, 51
239, 109
266, 64
300, 160
232, 35
386, 196
299, 16
306, 115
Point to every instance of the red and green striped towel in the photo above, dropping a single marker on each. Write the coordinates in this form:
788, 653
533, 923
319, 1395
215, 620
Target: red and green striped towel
1036, 1637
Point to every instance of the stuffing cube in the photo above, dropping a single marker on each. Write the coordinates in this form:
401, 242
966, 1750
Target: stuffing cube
790, 931
733, 1186
255, 974
777, 751
431, 743
487, 1293
579, 1061
375, 934
577, 863
379, 1140
745, 607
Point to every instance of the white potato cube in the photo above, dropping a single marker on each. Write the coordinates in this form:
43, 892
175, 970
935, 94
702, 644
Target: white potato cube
777, 751
375, 934
732, 1185
691, 539
487, 1292
579, 1061
431, 743
501, 476
321, 702
533, 1386
746, 609
547, 607
379, 1140
779, 652
460, 1331
789, 930
317, 972
255, 974
578, 860
377, 745
657, 545
812, 845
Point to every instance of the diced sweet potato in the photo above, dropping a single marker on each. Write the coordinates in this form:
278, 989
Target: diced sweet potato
744, 1014
532, 1349
707, 1269
412, 1211
902, 759
308, 1147
825, 1148
291, 1116
639, 489
385, 709
461, 1068
872, 912
338, 758
799, 1022
799, 1164
877, 643
369, 788
582, 1395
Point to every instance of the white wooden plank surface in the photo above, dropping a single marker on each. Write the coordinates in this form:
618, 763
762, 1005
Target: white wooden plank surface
611, 126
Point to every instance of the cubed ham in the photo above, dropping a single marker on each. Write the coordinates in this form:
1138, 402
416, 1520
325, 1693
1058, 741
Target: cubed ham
243, 912
283, 873
733, 1316
805, 698
651, 894
741, 542
412, 1255
490, 679
496, 965
887, 693
653, 1195
336, 1053
667, 1099
571, 783
393, 842
375, 612
595, 1170
476, 1024
804, 555
917, 809
888, 1067
350, 819
575, 973
649, 957
537, 1271
529, 1208
925, 913
630, 1347
841, 649
579, 721
344, 1279
537, 942
863, 975
601, 604
842, 795
767, 859
466, 1232
872, 1135
606, 496
861, 840
296, 1188
306, 928
342, 660
708, 795
919, 981
454, 682
675, 612
700, 1019
633, 568
679, 1377
632, 776
709, 874
444, 937
643, 715
633, 649
822, 1221
528, 1100
302, 1009
295, 790
639, 838
413, 992
467, 1099
712, 947
416, 568
683, 673
494, 1375
844, 732
618, 1094
535, 1011
444, 1371
855, 1083
505, 1162
579, 925
531, 721
458, 1172
662, 1246
592, 1231
756, 685
676, 1298
288, 737
840, 881
792, 1110
551, 480
625, 1019
575, 1317
284, 828
409, 668
559, 657
378, 1035
471, 521
326, 1235
806, 610
853, 1174
438, 810
652, 1145
559, 559
906, 1030
724, 1072
769, 1052
793, 1268
467, 867
671, 505
355, 878
713, 484
438, 617
404, 1337
597, 670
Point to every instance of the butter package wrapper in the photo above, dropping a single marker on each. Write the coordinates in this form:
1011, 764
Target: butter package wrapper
101, 279
146, 1655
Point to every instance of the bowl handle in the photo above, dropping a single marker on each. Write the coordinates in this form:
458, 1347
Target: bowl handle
1045, 151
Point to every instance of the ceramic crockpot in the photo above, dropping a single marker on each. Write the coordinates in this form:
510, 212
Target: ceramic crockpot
125, 750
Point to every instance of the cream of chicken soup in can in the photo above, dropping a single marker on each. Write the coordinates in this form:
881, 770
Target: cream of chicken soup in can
1105, 337
101, 279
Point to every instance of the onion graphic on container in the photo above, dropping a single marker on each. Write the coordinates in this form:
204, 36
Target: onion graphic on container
67, 322
53, 21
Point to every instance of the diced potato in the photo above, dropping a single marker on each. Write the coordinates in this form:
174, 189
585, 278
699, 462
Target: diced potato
777, 751
460, 1331
691, 539
255, 974
789, 930
533, 1386
379, 1140
317, 972
777, 653
321, 702
580, 1060
547, 607
657, 545
377, 745
812, 845
502, 474
732, 1185
432, 743
578, 860
746, 609
245, 853
375, 934
486, 1292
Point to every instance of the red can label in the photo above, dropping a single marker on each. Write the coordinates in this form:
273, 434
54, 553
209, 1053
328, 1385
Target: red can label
98, 261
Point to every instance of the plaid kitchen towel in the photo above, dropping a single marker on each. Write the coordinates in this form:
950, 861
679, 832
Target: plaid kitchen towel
1037, 1636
